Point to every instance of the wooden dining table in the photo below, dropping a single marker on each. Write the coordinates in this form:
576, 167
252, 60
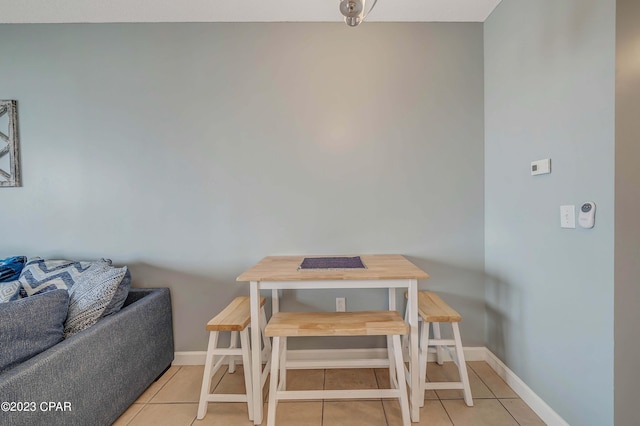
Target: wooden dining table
380, 271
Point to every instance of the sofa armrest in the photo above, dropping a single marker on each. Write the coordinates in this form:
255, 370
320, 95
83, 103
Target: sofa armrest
136, 294
100, 371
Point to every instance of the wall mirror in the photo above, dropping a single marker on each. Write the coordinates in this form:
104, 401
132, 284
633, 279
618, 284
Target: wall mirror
9, 144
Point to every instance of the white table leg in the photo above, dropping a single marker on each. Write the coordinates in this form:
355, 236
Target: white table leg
275, 301
392, 299
413, 351
256, 348
392, 307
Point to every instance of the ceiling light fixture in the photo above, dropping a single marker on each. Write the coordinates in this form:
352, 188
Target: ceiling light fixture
355, 11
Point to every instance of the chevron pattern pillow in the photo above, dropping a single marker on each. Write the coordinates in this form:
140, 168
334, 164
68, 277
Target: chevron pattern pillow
93, 294
96, 289
9, 291
39, 275
11, 267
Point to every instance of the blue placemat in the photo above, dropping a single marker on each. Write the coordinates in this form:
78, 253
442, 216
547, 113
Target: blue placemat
332, 263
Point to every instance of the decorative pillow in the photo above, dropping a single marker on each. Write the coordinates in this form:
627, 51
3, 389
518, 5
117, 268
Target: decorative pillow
92, 294
120, 295
9, 291
11, 267
41, 275
30, 326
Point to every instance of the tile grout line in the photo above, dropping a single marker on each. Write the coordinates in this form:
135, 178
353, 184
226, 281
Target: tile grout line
446, 412
488, 387
476, 373
162, 387
144, 404
480, 377
493, 393
386, 419
512, 416
222, 377
440, 402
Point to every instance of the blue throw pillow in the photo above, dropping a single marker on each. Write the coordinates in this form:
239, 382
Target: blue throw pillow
30, 326
11, 267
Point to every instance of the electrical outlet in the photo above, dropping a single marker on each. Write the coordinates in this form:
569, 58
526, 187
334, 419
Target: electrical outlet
341, 304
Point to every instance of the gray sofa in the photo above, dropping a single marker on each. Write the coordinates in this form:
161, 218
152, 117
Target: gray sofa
94, 376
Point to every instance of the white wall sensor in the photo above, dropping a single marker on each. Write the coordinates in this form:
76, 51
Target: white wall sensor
587, 215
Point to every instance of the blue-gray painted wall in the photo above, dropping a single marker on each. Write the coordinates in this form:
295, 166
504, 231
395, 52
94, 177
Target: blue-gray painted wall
549, 93
190, 151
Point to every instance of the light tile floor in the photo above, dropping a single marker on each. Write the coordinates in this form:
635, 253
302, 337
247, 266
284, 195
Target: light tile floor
173, 400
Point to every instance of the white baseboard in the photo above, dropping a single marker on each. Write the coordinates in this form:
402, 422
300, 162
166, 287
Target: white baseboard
346, 358
198, 357
189, 358
541, 408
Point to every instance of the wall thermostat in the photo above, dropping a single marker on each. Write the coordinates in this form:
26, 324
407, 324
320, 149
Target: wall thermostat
541, 167
587, 215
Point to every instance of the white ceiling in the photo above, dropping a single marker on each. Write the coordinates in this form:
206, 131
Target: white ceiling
49, 11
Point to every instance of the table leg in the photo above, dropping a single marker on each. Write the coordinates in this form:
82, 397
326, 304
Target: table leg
414, 367
392, 299
275, 301
256, 349
392, 307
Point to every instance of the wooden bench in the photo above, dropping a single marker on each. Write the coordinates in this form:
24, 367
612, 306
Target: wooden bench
433, 311
370, 323
235, 318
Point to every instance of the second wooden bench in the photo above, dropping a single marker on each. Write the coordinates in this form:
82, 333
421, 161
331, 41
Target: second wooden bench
370, 323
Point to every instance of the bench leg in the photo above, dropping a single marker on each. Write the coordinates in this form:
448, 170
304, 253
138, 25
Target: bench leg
462, 366
273, 385
266, 351
438, 336
233, 344
265, 340
405, 338
246, 365
208, 374
401, 380
283, 364
392, 364
423, 357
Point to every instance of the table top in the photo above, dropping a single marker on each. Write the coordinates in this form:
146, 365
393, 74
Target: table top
378, 267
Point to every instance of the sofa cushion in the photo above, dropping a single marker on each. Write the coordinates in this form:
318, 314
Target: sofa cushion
41, 275
31, 325
96, 291
9, 291
11, 267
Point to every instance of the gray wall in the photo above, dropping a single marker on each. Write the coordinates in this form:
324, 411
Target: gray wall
190, 151
627, 231
549, 92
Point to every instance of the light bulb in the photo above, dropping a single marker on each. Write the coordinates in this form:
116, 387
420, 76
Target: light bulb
354, 10
351, 8
352, 21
